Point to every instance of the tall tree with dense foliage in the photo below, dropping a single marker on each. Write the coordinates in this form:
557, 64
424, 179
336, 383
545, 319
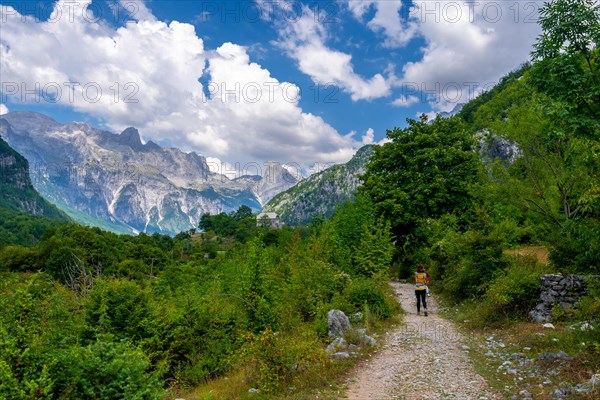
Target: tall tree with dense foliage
425, 171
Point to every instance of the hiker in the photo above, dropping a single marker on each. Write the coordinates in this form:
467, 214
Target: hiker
421, 289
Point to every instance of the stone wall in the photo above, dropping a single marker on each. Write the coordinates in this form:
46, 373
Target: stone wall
558, 289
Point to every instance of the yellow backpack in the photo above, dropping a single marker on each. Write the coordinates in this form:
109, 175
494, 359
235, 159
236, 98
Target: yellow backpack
421, 278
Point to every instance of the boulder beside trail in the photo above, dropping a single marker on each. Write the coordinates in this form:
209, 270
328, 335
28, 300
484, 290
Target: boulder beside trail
338, 323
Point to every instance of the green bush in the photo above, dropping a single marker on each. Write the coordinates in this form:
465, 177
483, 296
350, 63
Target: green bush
106, 370
16, 258
36, 326
276, 359
120, 307
366, 292
512, 294
196, 344
468, 263
576, 248
312, 285
589, 305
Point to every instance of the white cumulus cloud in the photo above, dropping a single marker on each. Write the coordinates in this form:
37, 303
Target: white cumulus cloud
392, 19
146, 74
406, 101
304, 41
369, 136
470, 46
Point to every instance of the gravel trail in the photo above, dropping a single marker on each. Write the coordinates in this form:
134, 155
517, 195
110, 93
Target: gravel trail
424, 358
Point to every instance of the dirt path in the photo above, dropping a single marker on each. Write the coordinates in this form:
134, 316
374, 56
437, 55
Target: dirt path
422, 359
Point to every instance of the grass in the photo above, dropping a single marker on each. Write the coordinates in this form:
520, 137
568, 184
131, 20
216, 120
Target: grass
323, 383
540, 253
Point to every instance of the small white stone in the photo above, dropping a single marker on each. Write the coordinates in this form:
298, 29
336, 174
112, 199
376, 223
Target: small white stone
548, 325
586, 327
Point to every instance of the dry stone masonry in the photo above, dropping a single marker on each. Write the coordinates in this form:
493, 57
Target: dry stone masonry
560, 290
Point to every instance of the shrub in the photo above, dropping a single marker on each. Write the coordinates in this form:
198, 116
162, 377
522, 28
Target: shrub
120, 307
469, 263
312, 285
511, 294
576, 248
366, 292
199, 342
16, 258
276, 359
106, 370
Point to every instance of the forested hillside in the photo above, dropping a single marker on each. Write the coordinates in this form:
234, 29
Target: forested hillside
18, 193
24, 214
319, 194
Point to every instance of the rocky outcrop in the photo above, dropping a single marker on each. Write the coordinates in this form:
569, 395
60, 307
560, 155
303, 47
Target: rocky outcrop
17, 192
560, 290
491, 147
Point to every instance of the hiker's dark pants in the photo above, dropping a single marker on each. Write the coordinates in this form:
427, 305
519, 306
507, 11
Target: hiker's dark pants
421, 298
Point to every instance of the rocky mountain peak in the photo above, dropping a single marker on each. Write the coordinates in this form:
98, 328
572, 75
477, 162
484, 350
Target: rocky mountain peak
131, 137
320, 193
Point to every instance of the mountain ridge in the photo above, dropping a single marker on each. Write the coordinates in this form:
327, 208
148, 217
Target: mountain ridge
319, 194
117, 182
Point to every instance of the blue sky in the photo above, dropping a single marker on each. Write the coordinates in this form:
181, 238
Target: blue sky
251, 81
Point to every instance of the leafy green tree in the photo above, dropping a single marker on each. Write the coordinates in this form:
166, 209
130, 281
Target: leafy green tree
568, 62
243, 212
119, 307
373, 256
569, 26
558, 167
426, 171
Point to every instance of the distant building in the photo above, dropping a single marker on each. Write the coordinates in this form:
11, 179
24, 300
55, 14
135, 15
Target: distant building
269, 219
